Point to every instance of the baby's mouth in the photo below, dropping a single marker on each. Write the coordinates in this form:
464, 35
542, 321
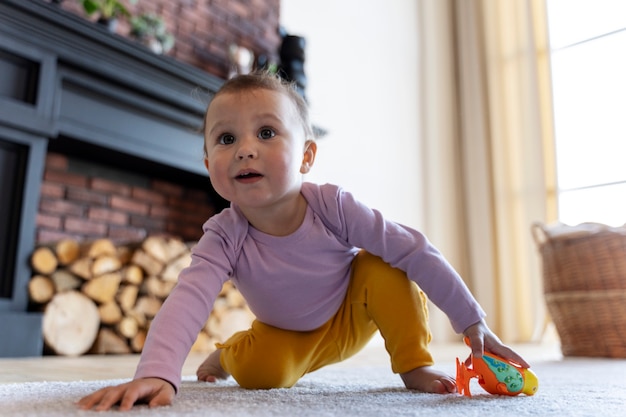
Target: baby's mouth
246, 176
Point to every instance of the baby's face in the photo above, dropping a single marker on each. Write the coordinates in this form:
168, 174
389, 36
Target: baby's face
256, 148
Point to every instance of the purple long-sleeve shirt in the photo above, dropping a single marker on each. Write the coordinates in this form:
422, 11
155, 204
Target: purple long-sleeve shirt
295, 282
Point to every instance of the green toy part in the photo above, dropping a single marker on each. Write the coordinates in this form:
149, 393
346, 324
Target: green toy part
506, 374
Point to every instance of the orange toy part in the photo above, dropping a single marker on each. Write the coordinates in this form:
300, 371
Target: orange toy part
496, 376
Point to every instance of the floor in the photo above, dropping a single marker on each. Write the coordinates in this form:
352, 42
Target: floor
97, 367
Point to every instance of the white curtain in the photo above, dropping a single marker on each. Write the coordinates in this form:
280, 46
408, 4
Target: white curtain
489, 172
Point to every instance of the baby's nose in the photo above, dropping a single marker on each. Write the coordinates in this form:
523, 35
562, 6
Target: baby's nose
249, 155
246, 151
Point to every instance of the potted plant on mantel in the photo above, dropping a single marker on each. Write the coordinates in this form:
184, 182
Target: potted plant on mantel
108, 11
150, 29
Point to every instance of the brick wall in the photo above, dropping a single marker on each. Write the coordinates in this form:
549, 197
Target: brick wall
204, 29
84, 207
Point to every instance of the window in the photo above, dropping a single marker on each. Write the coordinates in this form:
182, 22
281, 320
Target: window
588, 57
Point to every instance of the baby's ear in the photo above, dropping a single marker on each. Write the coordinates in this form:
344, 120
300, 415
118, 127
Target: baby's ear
206, 163
310, 149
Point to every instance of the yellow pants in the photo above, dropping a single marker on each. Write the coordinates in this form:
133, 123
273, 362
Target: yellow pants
379, 297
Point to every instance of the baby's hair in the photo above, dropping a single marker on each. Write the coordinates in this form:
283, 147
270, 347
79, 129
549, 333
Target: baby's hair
268, 81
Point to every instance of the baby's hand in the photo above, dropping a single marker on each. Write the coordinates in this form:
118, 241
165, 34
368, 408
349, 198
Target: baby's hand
481, 338
154, 391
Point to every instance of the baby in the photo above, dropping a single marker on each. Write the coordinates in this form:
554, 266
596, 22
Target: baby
321, 272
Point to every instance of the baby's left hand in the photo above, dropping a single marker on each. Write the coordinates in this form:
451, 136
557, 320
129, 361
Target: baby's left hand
481, 338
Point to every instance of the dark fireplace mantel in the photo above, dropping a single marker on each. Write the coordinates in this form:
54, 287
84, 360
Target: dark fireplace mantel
68, 84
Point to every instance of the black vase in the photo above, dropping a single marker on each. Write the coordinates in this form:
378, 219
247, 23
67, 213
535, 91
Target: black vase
292, 62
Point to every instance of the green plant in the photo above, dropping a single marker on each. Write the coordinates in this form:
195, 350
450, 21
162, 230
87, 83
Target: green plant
149, 27
107, 9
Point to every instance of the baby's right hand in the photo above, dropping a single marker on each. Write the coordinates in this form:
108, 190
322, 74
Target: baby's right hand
153, 391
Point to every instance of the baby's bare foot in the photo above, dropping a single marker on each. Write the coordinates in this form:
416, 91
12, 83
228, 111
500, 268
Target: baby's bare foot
211, 370
428, 379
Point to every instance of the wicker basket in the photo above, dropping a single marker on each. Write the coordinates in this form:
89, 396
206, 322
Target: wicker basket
584, 274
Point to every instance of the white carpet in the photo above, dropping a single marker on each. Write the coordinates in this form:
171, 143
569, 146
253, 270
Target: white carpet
569, 387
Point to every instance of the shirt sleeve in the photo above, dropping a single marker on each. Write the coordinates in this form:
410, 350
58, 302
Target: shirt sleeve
185, 311
403, 248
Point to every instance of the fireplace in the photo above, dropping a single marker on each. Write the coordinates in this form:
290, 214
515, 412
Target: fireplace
71, 90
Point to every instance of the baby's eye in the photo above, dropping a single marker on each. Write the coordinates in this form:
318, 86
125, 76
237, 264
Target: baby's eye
226, 139
266, 133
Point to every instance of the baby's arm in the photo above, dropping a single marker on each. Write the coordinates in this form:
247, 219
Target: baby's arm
481, 338
153, 391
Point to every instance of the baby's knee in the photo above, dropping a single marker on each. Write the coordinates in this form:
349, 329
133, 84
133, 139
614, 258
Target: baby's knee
265, 374
370, 271
260, 368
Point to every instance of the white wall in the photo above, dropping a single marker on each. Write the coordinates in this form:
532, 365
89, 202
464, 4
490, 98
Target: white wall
362, 70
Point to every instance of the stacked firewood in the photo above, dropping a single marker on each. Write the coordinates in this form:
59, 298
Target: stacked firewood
97, 297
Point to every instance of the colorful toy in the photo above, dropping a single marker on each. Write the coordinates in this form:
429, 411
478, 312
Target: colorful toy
495, 375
